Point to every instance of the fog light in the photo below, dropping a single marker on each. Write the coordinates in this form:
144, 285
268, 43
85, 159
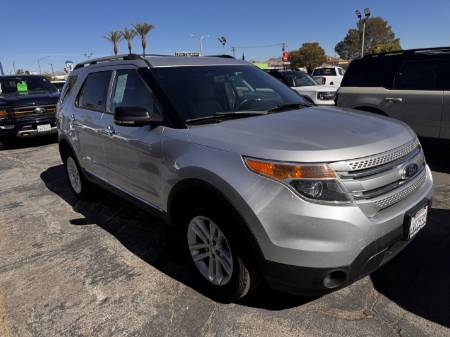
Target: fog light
335, 279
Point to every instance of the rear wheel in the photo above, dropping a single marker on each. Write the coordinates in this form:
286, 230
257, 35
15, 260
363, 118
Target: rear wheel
221, 262
79, 185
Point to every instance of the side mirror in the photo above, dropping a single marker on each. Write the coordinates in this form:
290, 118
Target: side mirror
135, 116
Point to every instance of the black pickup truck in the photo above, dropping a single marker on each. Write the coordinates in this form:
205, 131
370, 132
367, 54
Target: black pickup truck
27, 106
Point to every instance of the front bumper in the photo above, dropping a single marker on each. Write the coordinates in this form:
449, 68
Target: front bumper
27, 127
317, 281
302, 243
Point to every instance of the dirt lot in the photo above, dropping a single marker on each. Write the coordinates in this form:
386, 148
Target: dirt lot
105, 268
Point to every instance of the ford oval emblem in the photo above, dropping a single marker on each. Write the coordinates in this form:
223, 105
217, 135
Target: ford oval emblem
40, 110
409, 171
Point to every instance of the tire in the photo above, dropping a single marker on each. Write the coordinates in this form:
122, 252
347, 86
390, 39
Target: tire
78, 183
228, 257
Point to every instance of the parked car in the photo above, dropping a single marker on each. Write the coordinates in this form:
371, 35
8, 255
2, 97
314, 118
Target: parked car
258, 185
306, 86
27, 106
329, 75
58, 84
412, 86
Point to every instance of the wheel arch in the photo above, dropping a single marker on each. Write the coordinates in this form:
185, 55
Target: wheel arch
190, 189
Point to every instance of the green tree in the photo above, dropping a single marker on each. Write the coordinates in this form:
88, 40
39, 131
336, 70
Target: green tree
129, 35
379, 37
309, 55
114, 37
142, 29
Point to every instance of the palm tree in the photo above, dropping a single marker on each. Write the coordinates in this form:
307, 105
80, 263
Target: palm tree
115, 37
129, 35
143, 29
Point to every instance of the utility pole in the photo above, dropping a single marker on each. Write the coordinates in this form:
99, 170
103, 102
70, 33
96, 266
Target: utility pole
39, 63
14, 67
233, 49
51, 66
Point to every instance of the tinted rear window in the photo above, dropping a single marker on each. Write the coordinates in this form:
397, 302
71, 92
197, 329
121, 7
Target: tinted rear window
377, 72
420, 75
324, 72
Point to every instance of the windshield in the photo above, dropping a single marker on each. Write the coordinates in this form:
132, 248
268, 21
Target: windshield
203, 91
324, 72
298, 78
25, 85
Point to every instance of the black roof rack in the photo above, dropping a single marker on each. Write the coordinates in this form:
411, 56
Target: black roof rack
433, 50
125, 57
225, 56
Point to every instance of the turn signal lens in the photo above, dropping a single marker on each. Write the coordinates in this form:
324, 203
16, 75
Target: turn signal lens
282, 171
3, 114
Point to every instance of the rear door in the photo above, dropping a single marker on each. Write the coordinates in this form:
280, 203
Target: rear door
134, 152
416, 98
87, 120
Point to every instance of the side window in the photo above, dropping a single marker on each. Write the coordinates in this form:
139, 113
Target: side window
444, 76
94, 92
416, 75
131, 91
68, 86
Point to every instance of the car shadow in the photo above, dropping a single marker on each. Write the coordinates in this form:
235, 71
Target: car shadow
418, 279
149, 238
22, 143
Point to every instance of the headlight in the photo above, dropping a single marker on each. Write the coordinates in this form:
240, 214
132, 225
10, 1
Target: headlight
326, 95
315, 182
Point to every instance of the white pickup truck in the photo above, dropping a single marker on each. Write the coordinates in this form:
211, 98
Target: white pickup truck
306, 86
329, 75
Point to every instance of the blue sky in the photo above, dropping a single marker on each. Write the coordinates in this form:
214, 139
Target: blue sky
66, 30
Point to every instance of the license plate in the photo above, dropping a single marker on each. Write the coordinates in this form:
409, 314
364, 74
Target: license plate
418, 221
44, 128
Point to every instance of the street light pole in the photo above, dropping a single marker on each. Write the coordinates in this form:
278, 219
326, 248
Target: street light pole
200, 42
366, 16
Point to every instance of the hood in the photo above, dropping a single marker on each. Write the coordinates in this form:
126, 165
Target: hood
315, 88
317, 134
27, 100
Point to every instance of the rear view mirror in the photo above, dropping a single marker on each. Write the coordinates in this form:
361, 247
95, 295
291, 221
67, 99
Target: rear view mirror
135, 116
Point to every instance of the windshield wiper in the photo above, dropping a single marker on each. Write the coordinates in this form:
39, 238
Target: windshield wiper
221, 116
286, 107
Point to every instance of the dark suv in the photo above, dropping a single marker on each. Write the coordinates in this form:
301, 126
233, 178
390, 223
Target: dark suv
411, 85
27, 106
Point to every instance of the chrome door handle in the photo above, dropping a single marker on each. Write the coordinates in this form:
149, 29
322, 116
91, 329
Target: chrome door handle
72, 117
394, 99
109, 131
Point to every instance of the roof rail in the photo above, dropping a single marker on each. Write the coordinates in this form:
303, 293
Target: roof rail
225, 56
411, 51
125, 57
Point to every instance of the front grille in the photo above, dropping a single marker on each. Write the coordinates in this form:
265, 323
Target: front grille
384, 157
402, 194
377, 182
30, 111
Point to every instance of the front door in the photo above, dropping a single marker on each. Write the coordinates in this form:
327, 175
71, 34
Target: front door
134, 152
415, 97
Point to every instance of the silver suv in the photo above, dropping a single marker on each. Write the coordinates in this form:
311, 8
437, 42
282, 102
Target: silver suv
260, 186
412, 86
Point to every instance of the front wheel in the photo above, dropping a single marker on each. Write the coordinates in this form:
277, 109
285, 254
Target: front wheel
220, 262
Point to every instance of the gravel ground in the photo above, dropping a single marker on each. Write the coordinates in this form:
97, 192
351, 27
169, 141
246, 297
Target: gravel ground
106, 268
